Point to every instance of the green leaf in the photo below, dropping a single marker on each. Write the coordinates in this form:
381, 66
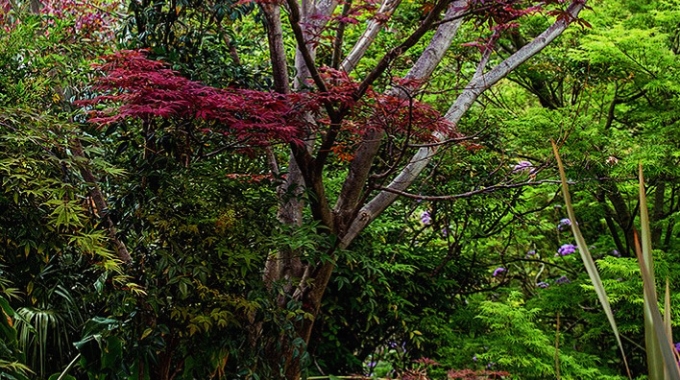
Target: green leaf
668, 326
588, 262
660, 356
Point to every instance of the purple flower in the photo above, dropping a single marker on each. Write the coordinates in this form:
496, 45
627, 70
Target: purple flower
474, 358
677, 347
498, 271
445, 232
522, 166
542, 284
425, 218
563, 224
566, 249
562, 280
615, 253
531, 253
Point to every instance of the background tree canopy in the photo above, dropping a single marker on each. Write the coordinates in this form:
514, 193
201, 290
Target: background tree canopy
199, 189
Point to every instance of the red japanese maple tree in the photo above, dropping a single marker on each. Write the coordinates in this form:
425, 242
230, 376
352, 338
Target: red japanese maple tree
323, 113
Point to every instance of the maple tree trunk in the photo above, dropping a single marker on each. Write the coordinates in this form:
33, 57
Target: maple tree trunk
307, 282
321, 274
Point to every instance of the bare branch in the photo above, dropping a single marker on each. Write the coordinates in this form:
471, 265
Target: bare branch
295, 18
482, 62
451, 140
339, 37
483, 190
385, 11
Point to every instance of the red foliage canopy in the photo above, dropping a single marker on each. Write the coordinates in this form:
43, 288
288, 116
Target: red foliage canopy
135, 87
139, 88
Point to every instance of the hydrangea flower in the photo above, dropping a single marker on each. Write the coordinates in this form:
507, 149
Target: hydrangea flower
542, 284
498, 271
425, 218
562, 280
566, 249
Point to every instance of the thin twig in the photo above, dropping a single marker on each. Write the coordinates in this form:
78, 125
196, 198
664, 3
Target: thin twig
468, 194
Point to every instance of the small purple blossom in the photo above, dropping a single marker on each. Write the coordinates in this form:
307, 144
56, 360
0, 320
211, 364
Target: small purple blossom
498, 271
542, 284
474, 358
562, 280
615, 253
531, 253
566, 249
425, 218
564, 224
523, 166
677, 347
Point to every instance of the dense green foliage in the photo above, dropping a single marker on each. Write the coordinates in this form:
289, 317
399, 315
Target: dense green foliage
479, 281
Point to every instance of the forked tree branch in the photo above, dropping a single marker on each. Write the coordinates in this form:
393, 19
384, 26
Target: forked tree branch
339, 37
353, 187
385, 61
464, 101
336, 117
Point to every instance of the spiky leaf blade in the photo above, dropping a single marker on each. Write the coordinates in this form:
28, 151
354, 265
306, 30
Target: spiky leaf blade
660, 356
588, 262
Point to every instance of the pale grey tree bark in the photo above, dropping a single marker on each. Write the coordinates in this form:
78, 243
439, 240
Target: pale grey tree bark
375, 25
